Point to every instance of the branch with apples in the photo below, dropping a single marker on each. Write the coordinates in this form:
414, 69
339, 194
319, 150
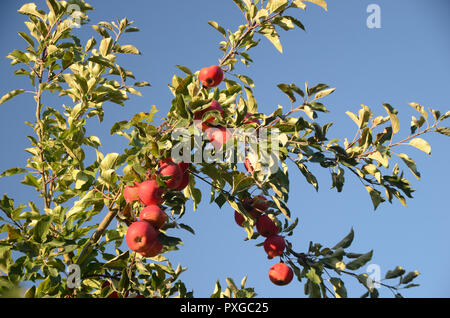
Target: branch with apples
148, 200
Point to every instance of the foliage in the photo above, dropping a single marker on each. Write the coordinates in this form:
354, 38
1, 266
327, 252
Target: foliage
44, 238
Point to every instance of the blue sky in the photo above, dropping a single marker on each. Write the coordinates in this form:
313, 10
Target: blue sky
404, 61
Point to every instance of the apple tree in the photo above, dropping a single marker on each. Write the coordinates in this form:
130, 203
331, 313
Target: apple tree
140, 195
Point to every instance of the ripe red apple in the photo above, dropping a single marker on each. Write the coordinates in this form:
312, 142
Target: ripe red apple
150, 193
265, 226
199, 114
153, 250
218, 136
172, 170
130, 193
140, 236
154, 215
210, 76
280, 274
239, 218
274, 245
183, 166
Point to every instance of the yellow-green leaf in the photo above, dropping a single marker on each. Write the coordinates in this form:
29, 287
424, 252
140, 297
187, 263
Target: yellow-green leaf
321, 3
421, 144
411, 164
10, 95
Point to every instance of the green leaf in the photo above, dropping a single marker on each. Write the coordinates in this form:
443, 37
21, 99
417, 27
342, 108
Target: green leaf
31, 9
272, 35
141, 84
313, 277
90, 44
346, 241
118, 262
396, 272
27, 38
42, 228
375, 195
353, 117
105, 46
308, 175
324, 93
393, 117
12, 171
320, 3
445, 116
109, 161
240, 4
169, 240
409, 277
102, 61
11, 94
128, 49
421, 144
132, 29
184, 69
252, 106
364, 116
284, 22
30, 293
231, 284
298, 4
287, 89
420, 109
443, 130
339, 288
380, 158
217, 290
365, 280
411, 164
31, 180
277, 5
360, 261
187, 228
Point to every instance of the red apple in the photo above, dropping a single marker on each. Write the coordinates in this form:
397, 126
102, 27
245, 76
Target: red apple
239, 218
210, 76
153, 250
218, 136
150, 193
265, 226
280, 274
154, 215
130, 193
274, 245
140, 236
199, 114
172, 170
183, 166
184, 181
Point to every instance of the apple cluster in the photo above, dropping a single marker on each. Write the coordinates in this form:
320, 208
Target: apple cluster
218, 135
274, 244
142, 235
266, 226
